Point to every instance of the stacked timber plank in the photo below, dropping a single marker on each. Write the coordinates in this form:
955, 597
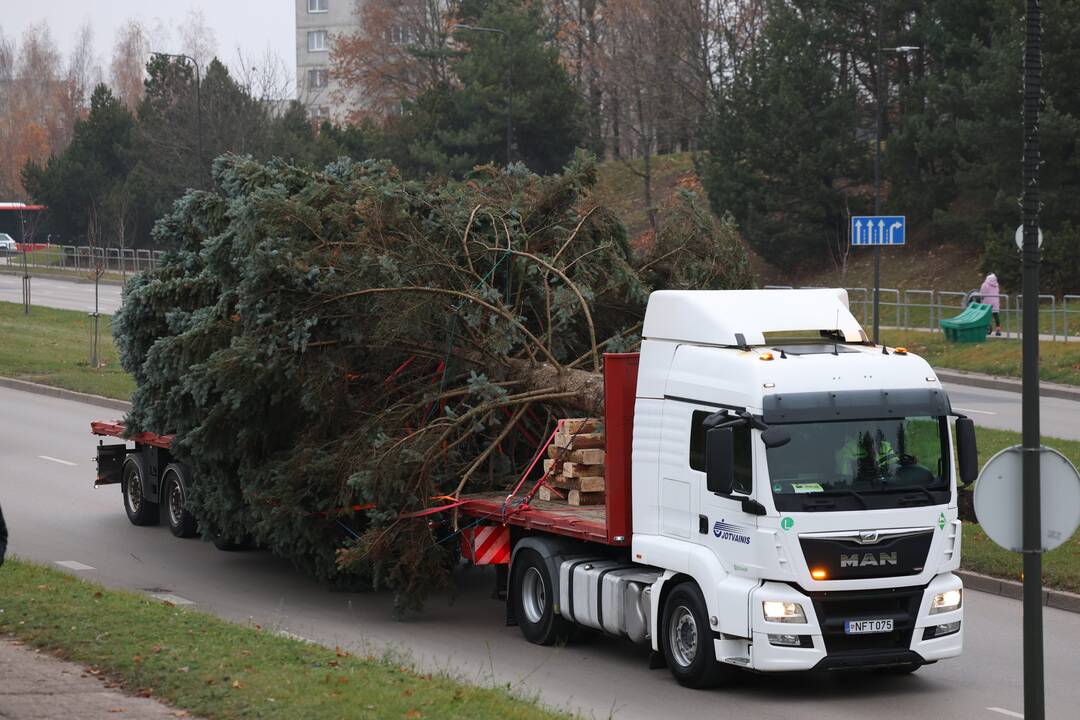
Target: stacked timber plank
575, 464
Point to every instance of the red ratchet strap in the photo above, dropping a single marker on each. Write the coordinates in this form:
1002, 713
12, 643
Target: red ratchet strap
390, 378
524, 504
433, 510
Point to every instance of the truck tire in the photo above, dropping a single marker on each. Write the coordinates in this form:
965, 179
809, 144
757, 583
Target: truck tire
140, 511
687, 640
174, 485
532, 595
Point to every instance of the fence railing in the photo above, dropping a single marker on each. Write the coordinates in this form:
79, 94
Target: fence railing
919, 309
83, 258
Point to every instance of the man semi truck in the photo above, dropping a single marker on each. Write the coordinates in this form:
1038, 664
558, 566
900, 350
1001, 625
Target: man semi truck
781, 494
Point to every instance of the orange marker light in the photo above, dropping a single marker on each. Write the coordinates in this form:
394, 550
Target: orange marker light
765, 356
818, 574
900, 351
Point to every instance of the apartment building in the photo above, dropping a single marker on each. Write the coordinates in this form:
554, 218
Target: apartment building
316, 22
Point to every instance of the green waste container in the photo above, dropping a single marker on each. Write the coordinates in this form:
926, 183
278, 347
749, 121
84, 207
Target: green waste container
970, 326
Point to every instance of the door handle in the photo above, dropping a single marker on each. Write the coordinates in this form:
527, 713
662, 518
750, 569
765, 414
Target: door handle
703, 524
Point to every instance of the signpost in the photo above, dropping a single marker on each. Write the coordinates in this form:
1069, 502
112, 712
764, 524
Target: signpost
878, 230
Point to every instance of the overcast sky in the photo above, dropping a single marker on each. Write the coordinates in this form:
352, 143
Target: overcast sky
250, 25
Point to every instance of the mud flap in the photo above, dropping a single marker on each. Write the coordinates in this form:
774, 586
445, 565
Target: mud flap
110, 464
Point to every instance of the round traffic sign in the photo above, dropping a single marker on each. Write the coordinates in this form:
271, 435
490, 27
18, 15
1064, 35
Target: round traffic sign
1019, 237
999, 498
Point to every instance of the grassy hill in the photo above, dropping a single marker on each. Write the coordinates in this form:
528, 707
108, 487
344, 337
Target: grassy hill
923, 264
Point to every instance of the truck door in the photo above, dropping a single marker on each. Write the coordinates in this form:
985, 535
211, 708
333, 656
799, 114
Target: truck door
722, 524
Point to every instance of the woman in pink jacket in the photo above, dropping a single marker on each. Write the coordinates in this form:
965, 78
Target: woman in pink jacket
990, 294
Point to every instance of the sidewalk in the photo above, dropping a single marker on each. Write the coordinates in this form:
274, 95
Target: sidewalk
37, 686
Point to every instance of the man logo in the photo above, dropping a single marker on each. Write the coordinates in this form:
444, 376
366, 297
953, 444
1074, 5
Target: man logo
867, 560
868, 537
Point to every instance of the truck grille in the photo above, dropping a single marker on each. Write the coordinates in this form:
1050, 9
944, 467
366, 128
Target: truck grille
850, 560
835, 608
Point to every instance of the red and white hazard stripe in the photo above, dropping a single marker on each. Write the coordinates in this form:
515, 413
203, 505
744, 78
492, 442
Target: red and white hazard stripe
486, 545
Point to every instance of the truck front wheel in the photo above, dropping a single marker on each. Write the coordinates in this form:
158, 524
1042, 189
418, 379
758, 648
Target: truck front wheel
174, 493
687, 640
140, 511
532, 593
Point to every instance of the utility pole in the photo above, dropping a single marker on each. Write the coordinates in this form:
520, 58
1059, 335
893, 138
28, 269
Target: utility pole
877, 180
1034, 690
509, 83
881, 88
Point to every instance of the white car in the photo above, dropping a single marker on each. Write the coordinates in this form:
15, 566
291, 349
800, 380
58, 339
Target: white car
8, 246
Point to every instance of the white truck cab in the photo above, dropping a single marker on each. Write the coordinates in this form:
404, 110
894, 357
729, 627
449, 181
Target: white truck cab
793, 497
833, 549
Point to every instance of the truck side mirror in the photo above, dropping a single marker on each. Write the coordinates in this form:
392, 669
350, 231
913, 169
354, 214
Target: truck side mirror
775, 437
720, 460
967, 450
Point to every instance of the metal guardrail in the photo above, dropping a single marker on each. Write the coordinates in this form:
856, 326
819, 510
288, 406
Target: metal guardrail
1065, 313
929, 305
922, 309
85, 258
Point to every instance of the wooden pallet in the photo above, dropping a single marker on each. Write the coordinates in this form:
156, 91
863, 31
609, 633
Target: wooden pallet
575, 464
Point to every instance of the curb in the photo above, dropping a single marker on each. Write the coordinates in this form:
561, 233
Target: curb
1060, 599
63, 394
66, 277
991, 382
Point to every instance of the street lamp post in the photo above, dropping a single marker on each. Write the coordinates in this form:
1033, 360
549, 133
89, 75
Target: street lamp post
881, 86
198, 103
509, 82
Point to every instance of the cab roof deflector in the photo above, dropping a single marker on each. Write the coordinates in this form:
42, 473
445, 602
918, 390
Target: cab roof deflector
717, 317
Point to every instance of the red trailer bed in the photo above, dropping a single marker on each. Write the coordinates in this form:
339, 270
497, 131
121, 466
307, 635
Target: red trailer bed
116, 430
608, 524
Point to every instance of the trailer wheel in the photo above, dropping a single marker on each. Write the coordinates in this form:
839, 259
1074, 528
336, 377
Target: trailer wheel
174, 492
687, 640
532, 593
225, 543
140, 511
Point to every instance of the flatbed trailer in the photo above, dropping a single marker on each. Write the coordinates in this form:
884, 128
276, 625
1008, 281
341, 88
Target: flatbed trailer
607, 524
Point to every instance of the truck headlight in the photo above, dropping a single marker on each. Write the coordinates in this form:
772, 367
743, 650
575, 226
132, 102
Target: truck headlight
783, 612
945, 602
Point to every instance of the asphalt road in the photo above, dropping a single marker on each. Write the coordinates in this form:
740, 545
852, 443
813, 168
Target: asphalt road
1000, 409
61, 294
55, 516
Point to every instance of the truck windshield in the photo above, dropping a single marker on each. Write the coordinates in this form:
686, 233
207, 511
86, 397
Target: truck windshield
861, 458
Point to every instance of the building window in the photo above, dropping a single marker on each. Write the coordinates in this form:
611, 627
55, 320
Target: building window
317, 41
399, 35
318, 78
743, 467
318, 6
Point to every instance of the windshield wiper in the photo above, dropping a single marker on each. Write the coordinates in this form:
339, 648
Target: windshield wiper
839, 491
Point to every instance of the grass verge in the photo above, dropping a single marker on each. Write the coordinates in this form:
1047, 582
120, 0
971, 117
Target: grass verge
53, 347
978, 553
1058, 361
217, 669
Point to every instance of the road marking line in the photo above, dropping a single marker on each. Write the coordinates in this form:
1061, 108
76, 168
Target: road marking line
977, 412
174, 599
73, 565
1003, 711
56, 460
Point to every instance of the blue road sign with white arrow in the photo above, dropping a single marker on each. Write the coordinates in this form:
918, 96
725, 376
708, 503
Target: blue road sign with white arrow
877, 230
